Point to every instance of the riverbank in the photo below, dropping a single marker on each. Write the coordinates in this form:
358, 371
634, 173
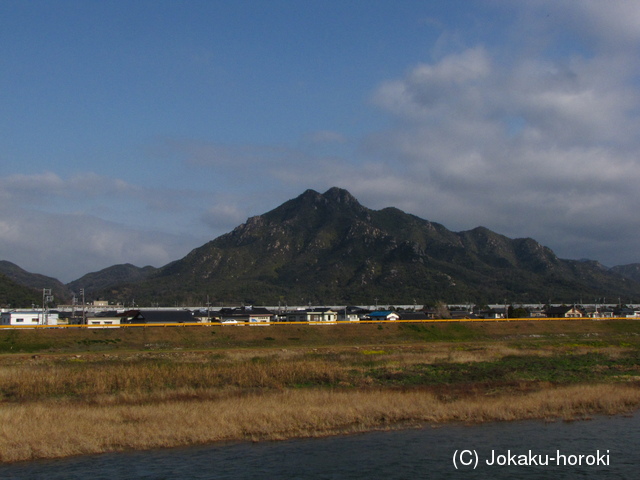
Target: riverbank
89, 395
48, 430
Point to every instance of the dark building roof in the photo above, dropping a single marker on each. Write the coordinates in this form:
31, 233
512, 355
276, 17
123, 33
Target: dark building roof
243, 312
358, 310
415, 316
462, 314
158, 316
557, 311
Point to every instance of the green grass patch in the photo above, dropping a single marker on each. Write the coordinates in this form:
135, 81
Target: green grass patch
623, 326
16, 341
560, 369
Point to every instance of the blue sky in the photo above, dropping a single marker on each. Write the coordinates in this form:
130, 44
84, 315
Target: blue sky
135, 131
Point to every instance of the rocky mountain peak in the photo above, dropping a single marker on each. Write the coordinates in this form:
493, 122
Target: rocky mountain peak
328, 248
340, 195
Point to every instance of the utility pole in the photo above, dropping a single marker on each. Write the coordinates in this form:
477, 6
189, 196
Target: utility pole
84, 316
46, 298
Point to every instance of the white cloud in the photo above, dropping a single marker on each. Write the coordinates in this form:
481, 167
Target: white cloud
613, 22
450, 83
224, 216
529, 147
10, 232
66, 227
67, 246
47, 187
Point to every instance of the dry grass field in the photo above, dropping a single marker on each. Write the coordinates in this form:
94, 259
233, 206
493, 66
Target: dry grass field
70, 392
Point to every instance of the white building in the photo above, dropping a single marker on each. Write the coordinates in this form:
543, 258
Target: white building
28, 318
103, 322
314, 316
348, 317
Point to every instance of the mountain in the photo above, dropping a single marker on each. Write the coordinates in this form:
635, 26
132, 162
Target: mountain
328, 248
13, 294
631, 271
110, 276
35, 281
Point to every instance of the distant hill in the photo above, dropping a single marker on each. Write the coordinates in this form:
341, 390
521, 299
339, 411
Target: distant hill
328, 248
631, 271
13, 295
110, 276
35, 281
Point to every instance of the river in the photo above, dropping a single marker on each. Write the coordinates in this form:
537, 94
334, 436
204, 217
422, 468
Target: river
605, 447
